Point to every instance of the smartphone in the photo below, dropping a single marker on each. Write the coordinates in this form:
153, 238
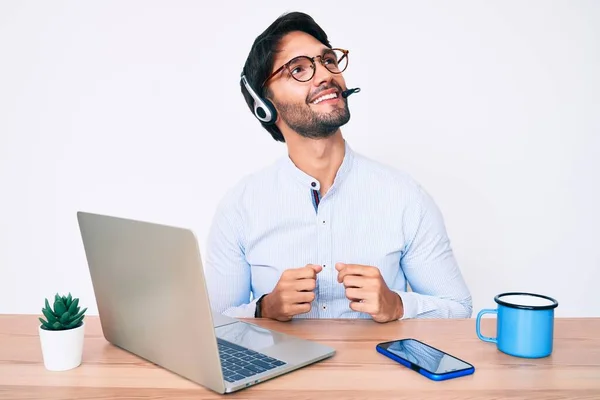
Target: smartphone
425, 359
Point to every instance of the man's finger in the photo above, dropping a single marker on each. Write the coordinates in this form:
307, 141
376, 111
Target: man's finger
353, 269
310, 271
300, 308
340, 265
316, 267
302, 297
303, 285
356, 294
361, 307
363, 294
354, 281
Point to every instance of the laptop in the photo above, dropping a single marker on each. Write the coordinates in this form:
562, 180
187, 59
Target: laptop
152, 300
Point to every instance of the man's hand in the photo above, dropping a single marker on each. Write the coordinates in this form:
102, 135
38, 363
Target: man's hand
368, 292
292, 294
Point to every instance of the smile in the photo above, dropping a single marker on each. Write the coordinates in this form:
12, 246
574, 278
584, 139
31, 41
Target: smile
329, 96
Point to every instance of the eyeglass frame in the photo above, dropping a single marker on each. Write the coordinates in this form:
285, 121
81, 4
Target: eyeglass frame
312, 59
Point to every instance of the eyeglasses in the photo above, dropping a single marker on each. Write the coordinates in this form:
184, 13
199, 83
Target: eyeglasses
302, 68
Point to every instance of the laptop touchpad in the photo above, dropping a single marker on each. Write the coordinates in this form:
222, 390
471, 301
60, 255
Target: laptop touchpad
287, 348
247, 335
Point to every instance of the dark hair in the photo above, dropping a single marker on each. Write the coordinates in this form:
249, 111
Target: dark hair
259, 63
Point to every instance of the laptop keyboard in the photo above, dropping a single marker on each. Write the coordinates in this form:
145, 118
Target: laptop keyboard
239, 363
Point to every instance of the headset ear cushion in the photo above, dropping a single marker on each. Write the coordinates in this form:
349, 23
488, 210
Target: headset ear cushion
270, 110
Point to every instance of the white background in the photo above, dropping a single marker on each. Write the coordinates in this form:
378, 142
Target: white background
134, 109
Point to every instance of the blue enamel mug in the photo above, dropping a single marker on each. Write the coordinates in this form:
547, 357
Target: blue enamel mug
524, 324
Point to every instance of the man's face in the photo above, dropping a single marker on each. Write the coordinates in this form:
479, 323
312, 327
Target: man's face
300, 104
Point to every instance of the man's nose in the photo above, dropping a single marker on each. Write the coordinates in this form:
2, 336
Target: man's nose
322, 74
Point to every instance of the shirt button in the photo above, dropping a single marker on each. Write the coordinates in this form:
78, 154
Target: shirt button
323, 221
324, 307
313, 184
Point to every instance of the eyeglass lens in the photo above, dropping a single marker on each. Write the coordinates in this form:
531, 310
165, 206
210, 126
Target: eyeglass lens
302, 68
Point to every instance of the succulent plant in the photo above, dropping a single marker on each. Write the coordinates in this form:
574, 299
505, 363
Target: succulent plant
65, 315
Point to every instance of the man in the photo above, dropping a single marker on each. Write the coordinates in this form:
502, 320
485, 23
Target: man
324, 232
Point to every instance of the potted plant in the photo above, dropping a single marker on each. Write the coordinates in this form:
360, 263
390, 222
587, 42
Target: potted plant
61, 333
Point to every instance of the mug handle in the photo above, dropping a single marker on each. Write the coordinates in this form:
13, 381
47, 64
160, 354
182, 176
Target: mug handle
478, 325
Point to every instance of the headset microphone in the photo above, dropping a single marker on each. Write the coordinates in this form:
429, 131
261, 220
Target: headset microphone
348, 92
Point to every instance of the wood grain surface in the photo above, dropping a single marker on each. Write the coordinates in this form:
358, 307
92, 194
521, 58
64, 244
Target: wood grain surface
357, 371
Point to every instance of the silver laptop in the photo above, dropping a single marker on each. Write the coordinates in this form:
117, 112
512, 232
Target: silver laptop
149, 285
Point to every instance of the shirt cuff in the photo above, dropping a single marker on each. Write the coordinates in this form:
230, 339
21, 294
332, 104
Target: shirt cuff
409, 305
243, 311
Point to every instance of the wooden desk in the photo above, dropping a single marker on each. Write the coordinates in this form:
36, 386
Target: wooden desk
357, 371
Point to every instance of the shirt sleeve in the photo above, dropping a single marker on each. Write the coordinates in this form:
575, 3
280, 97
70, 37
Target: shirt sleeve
228, 274
438, 287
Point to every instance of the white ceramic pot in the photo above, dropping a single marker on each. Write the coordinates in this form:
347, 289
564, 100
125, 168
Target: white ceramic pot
62, 350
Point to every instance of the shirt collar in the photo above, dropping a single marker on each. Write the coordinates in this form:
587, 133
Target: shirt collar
310, 182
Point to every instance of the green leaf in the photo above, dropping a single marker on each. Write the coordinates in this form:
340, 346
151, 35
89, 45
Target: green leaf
50, 308
59, 307
45, 324
65, 318
80, 314
51, 317
69, 300
73, 309
56, 326
74, 323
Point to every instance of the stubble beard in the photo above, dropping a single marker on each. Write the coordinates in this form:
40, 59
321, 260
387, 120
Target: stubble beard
311, 124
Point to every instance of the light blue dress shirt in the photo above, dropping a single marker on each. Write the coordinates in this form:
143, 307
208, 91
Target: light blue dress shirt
373, 215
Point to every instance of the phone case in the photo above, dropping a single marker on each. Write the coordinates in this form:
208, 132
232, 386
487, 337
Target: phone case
424, 372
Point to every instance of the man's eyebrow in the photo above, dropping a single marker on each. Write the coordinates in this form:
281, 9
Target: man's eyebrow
325, 50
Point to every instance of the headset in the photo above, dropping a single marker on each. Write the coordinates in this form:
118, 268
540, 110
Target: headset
264, 110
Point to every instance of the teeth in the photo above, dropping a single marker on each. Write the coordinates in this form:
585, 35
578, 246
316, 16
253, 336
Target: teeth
326, 97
